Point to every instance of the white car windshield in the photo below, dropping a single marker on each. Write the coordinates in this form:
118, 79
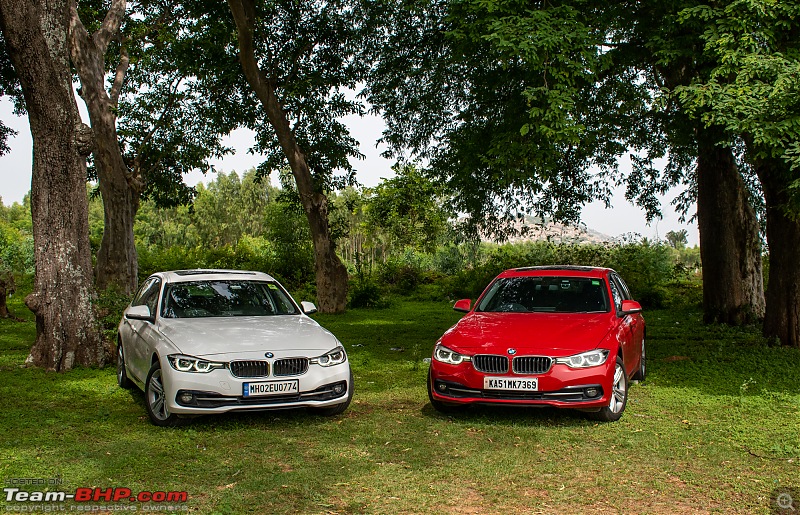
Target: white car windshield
546, 294
198, 299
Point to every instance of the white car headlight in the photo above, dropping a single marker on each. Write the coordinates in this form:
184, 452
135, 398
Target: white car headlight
335, 357
451, 357
183, 363
593, 358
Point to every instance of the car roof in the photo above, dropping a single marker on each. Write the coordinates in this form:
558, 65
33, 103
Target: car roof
202, 274
557, 270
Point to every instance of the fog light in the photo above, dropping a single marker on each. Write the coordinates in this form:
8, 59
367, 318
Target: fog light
339, 388
442, 386
591, 392
187, 398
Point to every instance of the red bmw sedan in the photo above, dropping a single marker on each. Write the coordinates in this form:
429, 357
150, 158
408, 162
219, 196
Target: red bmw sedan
562, 336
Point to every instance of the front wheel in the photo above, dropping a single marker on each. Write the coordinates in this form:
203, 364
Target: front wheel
156, 399
619, 396
338, 408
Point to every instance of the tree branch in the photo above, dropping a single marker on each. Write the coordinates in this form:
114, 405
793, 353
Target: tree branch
110, 26
119, 76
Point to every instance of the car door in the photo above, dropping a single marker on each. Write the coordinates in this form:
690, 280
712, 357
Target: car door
142, 332
633, 324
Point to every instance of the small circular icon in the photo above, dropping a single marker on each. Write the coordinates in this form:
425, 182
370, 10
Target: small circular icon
269, 355
785, 501
512, 351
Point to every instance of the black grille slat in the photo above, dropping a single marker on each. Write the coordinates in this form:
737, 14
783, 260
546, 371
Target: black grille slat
531, 364
490, 364
290, 367
249, 368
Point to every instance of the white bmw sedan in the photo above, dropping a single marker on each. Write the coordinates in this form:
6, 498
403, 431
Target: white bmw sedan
213, 341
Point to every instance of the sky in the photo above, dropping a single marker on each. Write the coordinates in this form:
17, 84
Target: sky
621, 219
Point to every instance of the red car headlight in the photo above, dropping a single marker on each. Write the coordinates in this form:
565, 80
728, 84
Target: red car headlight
451, 357
593, 358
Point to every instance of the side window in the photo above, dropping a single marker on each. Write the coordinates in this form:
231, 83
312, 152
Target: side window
148, 295
616, 292
137, 299
625, 289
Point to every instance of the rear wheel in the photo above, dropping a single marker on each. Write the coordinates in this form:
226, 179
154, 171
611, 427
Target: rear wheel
641, 372
619, 396
122, 373
441, 407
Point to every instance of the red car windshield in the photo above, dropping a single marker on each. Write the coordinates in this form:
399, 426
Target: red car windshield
546, 295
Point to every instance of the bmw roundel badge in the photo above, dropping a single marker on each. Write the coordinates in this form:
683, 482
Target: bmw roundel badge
512, 351
269, 355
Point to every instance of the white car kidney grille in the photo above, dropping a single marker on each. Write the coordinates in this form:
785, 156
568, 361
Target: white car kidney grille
290, 367
249, 368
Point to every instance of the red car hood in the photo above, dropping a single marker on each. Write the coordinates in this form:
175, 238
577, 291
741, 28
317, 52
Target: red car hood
549, 334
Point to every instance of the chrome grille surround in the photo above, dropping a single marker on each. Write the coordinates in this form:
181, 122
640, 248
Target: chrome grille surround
490, 363
258, 368
531, 364
290, 367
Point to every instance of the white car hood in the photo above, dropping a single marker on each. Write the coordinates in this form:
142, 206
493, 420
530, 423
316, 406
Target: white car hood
205, 337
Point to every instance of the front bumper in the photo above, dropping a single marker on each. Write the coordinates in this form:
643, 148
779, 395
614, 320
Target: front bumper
220, 392
560, 386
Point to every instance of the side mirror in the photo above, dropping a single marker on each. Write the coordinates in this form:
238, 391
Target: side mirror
139, 313
630, 307
462, 305
308, 307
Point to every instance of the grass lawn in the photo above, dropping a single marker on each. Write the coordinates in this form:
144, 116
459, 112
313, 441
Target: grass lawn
715, 428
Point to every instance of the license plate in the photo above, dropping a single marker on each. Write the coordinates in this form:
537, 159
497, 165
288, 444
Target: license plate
271, 388
530, 384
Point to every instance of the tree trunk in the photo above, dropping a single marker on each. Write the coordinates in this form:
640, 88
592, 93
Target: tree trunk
730, 248
782, 320
117, 262
35, 32
331, 274
6, 287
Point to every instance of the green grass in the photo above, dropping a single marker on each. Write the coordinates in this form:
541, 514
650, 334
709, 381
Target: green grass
715, 428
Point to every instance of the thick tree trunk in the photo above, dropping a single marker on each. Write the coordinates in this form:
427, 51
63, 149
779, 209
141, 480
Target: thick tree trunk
730, 248
782, 320
331, 274
117, 262
35, 32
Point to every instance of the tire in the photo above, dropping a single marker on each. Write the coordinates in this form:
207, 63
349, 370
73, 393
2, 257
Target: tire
155, 400
641, 372
122, 373
441, 407
619, 396
337, 409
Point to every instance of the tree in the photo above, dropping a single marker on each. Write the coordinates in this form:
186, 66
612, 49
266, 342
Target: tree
753, 90
296, 58
35, 35
529, 106
677, 239
150, 126
117, 264
410, 208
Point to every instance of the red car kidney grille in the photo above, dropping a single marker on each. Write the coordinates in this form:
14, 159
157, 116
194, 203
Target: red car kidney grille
531, 364
490, 364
